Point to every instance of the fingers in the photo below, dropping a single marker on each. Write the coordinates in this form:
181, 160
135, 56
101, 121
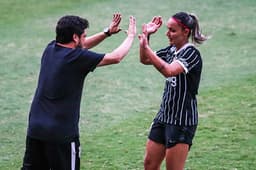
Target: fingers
132, 20
114, 25
158, 20
155, 18
117, 17
132, 26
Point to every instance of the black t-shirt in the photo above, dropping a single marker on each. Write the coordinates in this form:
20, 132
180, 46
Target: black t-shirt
55, 109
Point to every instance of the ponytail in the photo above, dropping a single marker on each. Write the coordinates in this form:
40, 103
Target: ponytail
196, 35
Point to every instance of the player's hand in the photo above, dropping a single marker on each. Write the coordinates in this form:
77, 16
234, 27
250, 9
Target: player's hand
153, 25
143, 39
131, 32
114, 25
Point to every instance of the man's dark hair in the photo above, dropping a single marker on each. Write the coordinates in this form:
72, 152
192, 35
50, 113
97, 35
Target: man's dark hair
69, 25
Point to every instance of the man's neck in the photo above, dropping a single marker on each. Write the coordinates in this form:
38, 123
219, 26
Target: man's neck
67, 45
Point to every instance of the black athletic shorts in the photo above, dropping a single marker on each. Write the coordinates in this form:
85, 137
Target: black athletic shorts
42, 155
170, 135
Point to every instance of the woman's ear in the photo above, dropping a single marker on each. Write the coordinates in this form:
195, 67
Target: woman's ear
186, 32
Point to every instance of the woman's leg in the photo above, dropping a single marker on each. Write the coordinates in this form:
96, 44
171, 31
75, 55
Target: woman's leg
154, 155
176, 156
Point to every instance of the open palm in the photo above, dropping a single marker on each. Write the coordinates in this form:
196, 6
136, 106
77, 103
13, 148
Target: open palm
154, 25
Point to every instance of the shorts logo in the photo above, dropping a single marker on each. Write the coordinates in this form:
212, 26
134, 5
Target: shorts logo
172, 141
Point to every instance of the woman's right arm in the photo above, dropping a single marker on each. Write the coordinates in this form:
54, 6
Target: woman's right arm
147, 30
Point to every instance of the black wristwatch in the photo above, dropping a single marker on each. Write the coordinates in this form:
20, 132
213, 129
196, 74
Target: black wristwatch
107, 31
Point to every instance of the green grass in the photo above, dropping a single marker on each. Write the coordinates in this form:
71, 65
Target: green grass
120, 101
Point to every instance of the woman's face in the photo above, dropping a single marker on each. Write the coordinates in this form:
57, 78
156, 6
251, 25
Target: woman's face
177, 35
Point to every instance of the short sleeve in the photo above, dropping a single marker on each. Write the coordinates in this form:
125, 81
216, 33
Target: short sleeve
92, 59
85, 60
190, 59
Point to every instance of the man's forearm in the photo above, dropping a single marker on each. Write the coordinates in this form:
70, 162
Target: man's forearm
94, 40
118, 54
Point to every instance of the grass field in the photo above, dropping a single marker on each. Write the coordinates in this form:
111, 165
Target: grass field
120, 101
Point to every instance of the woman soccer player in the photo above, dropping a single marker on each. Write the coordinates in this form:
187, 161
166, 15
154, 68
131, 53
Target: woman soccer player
175, 124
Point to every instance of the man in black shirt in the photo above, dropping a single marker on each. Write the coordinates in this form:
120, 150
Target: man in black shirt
53, 135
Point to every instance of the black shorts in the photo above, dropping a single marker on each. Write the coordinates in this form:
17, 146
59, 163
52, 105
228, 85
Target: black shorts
170, 135
42, 155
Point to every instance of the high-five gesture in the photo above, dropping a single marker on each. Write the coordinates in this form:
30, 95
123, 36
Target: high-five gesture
131, 32
143, 37
114, 25
153, 26
120, 52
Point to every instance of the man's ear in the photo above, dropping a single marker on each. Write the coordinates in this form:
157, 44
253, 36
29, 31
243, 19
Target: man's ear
76, 38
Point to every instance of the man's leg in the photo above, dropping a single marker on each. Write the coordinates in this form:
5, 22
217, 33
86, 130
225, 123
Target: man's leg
64, 156
34, 158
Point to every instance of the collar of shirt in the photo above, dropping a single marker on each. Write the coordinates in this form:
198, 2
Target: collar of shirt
183, 47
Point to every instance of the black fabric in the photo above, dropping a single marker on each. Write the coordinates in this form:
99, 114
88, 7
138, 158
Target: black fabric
41, 155
170, 135
55, 109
